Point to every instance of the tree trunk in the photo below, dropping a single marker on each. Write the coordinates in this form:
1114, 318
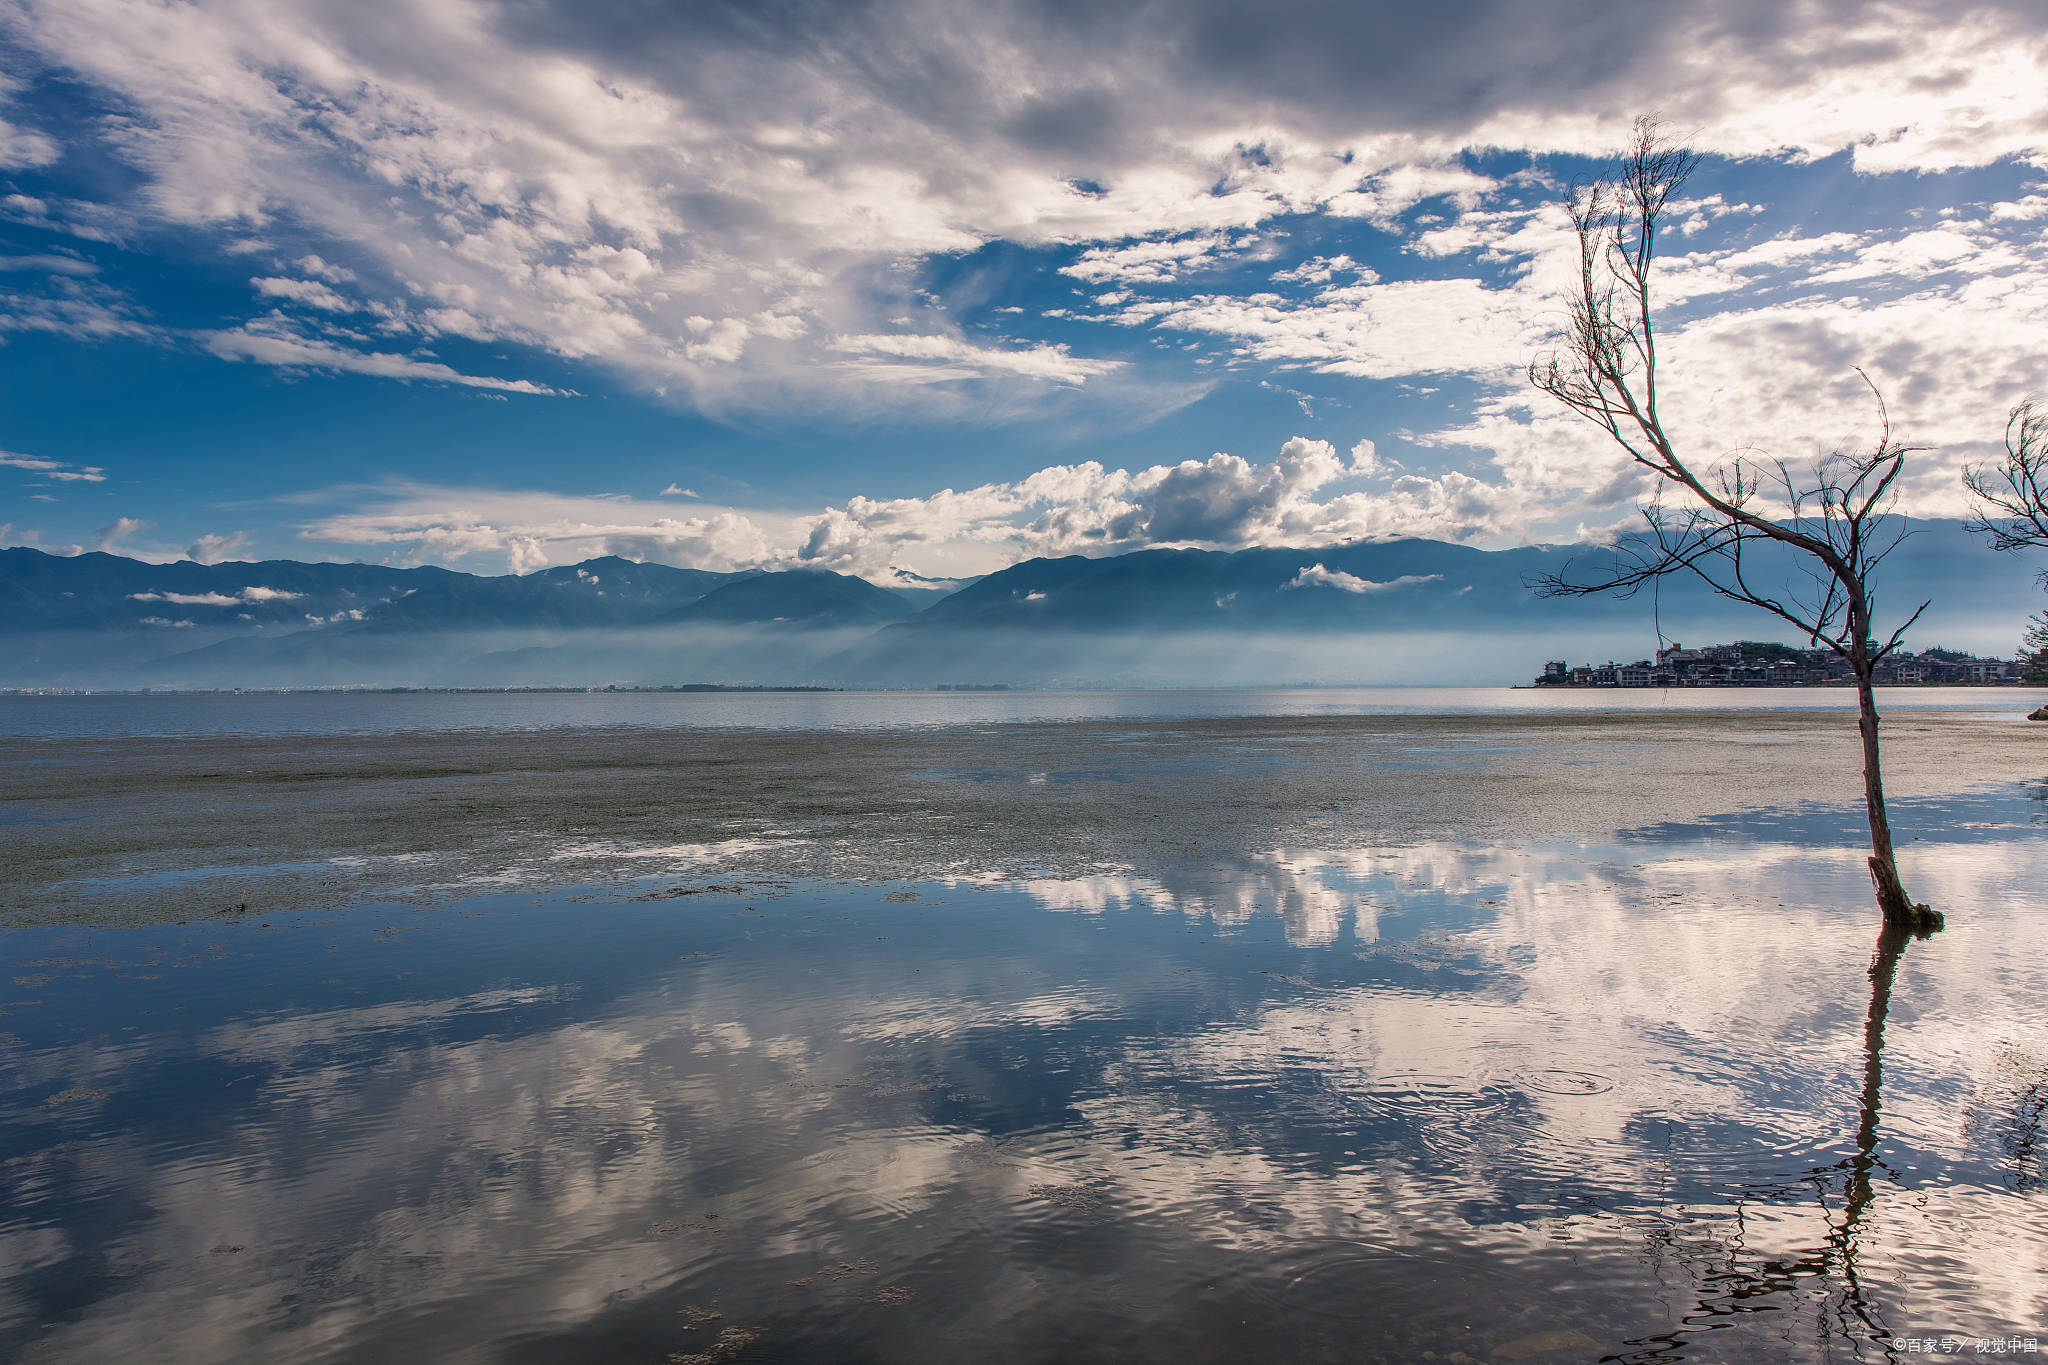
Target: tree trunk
1899, 910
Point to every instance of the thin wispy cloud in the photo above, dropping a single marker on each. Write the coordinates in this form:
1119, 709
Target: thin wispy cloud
60, 470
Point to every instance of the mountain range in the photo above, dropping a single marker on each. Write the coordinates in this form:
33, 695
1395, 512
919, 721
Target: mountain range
1389, 611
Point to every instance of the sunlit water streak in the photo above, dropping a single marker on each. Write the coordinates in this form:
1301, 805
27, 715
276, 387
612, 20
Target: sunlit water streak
1529, 1101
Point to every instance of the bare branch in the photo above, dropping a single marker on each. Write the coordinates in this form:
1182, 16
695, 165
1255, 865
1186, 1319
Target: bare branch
2012, 500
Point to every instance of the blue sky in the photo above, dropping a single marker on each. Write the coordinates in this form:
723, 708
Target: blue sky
929, 288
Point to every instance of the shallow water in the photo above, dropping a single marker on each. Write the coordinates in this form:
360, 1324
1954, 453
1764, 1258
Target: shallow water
1342, 1097
358, 713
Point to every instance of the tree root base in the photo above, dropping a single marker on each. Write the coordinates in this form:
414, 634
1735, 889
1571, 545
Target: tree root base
1918, 920
1899, 912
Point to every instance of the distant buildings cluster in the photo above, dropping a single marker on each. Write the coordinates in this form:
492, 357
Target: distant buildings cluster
1752, 663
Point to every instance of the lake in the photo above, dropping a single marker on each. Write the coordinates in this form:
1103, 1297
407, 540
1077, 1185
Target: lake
1346, 1026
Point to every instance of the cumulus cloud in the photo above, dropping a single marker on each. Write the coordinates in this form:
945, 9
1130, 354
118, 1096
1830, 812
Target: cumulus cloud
418, 524
1307, 495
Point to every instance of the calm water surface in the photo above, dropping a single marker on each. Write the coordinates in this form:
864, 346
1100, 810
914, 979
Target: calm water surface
1641, 1098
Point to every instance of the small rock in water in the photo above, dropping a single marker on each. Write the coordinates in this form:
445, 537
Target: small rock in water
77, 1094
730, 1343
845, 1270
1079, 1198
1558, 1341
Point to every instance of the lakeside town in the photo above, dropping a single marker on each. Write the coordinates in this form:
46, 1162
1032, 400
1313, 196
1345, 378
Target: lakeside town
1755, 663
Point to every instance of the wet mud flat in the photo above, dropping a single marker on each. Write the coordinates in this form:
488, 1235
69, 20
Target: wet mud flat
142, 828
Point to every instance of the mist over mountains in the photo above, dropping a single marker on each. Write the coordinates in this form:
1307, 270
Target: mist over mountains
1404, 611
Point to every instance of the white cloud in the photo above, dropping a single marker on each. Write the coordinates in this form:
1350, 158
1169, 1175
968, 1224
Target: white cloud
273, 341
185, 599
309, 292
105, 538
1317, 576
423, 524
77, 308
712, 213
1391, 193
49, 264
21, 148
241, 597
1376, 330
212, 548
1153, 262
1321, 270
60, 470
933, 358
1223, 501
324, 270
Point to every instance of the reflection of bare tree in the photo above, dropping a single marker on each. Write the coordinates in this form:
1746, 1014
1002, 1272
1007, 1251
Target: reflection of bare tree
1738, 1284
2014, 1118
2021, 1137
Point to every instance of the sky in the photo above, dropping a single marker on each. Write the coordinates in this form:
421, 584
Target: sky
919, 289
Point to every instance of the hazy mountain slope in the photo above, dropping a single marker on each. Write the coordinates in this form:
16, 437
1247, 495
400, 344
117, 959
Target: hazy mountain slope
802, 597
100, 591
1395, 611
599, 592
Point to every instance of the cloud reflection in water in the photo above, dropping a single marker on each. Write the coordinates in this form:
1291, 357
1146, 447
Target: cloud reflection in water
1513, 1098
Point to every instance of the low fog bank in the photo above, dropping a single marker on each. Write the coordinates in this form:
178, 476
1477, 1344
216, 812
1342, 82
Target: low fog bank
1489, 656
646, 657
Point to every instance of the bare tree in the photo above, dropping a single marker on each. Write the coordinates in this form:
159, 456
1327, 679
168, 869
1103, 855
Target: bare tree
2015, 516
2034, 651
2011, 511
1737, 523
